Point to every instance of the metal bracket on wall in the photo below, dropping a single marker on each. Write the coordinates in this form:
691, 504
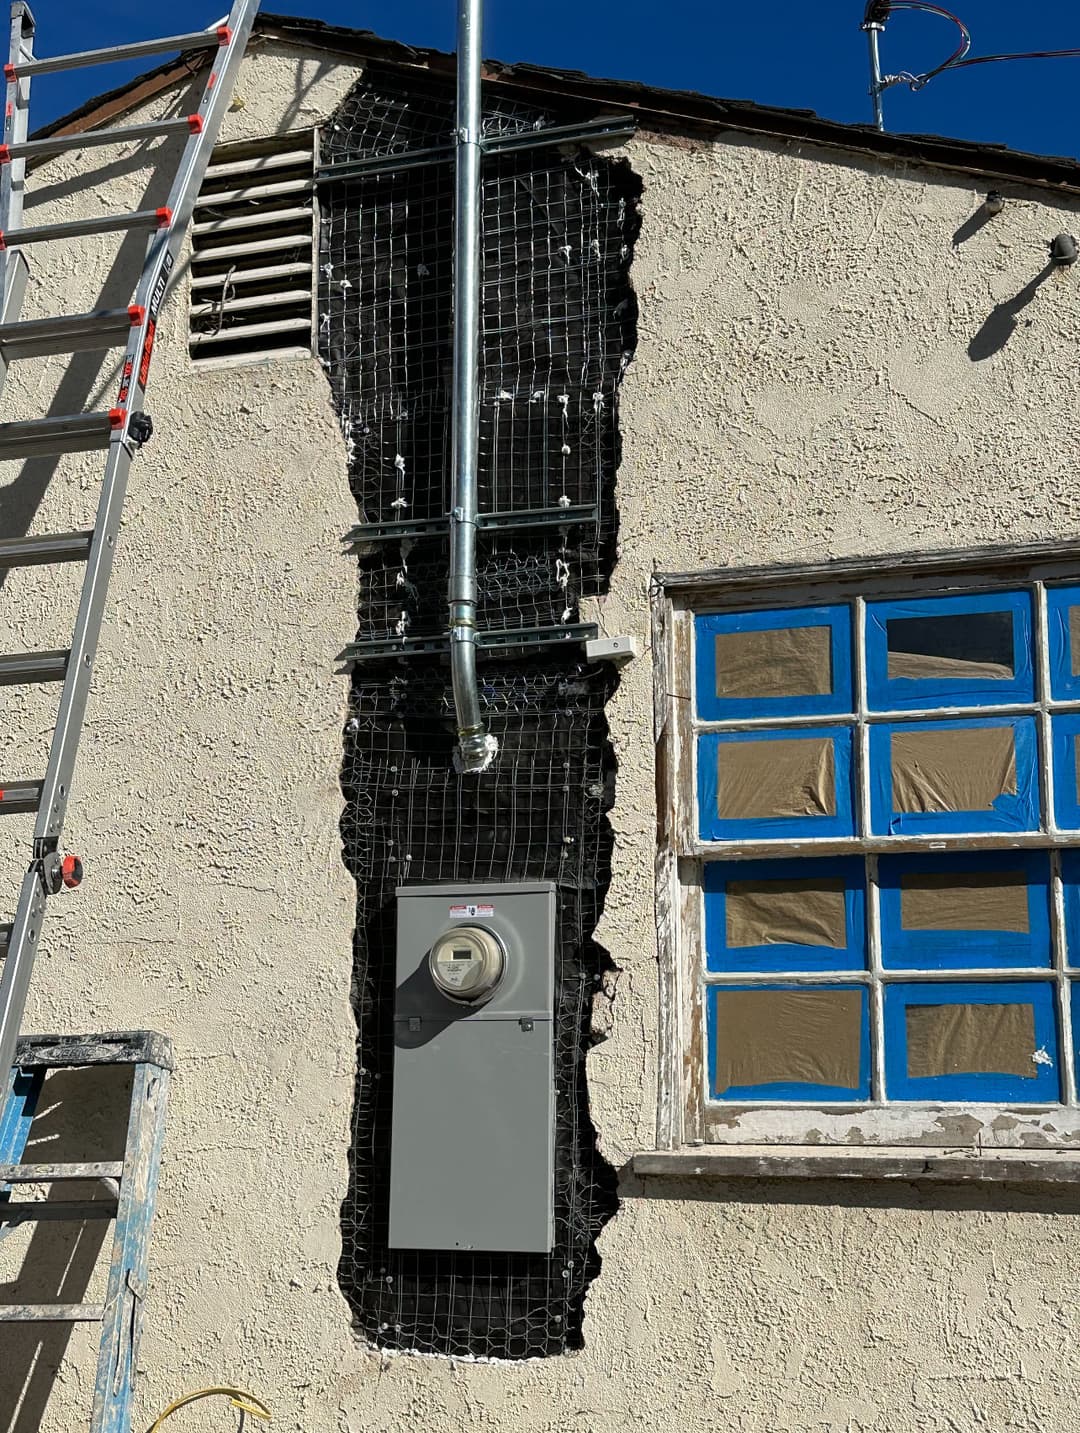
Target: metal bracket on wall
512, 639
527, 519
596, 131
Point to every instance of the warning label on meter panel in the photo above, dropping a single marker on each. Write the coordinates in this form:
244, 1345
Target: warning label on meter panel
456, 912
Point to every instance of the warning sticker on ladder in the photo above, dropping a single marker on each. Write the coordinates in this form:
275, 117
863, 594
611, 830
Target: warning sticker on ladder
459, 912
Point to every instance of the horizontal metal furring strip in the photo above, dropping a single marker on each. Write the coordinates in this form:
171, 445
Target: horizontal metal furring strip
551, 136
509, 640
574, 515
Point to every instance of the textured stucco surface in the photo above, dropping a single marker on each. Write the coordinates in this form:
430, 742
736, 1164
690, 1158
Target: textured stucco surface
802, 386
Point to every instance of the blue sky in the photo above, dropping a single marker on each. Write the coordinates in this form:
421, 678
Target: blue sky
810, 55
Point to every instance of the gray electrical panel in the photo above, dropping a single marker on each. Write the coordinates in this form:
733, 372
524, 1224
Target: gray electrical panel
473, 1137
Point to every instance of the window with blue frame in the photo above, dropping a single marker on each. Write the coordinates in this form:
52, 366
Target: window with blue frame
887, 831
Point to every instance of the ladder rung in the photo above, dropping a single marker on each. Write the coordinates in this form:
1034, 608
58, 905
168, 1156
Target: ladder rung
51, 1313
71, 433
44, 548
19, 796
67, 333
197, 40
49, 1173
23, 668
74, 1211
92, 138
76, 228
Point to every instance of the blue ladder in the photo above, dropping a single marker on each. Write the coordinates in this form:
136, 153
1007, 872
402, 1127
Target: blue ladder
125, 1192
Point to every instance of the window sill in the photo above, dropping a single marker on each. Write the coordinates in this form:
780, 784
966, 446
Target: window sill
758, 1161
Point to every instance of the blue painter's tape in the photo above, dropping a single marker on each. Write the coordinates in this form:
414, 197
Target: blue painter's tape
713, 827
1043, 1087
1064, 732
711, 707
903, 949
723, 957
1019, 812
905, 693
1064, 682
793, 1089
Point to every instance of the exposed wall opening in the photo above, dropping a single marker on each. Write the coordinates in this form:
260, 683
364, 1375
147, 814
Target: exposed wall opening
558, 331
252, 252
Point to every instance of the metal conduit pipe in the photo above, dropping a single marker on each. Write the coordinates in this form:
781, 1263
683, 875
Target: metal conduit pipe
476, 746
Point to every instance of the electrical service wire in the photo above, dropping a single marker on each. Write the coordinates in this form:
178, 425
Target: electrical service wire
878, 11
238, 1397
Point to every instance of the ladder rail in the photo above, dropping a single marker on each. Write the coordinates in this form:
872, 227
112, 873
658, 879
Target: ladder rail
13, 178
162, 252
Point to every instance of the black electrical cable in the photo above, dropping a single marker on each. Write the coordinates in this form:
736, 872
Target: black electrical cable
878, 11
957, 56
1019, 55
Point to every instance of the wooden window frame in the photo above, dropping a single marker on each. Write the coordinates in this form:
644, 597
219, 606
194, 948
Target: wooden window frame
686, 1119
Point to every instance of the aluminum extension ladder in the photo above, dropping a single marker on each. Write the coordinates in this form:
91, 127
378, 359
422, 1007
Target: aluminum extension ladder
125, 1193
121, 431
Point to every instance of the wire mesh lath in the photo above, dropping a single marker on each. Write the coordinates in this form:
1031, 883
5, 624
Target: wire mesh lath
558, 329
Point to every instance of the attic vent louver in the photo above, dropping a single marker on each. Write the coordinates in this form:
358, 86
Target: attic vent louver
252, 252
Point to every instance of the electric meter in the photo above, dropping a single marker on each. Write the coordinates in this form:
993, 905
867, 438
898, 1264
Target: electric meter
467, 962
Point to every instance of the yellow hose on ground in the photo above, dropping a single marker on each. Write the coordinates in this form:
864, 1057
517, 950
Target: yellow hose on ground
238, 1397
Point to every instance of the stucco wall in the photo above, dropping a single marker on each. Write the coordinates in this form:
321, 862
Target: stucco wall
802, 386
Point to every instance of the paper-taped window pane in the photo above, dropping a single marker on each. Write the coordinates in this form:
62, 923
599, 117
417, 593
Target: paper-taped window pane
766, 1037
957, 645
971, 1040
787, 912
776, 662
964, 900
1074, 640
790, 776
952, 769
